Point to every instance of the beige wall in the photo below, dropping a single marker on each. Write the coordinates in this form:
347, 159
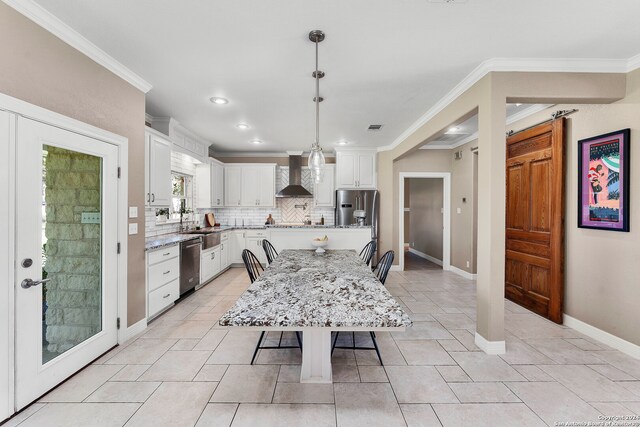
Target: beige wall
462, 224
425, 234
40, 69
602, 290
488, 97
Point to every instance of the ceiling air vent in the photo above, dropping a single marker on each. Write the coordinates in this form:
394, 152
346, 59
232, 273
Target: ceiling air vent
375, 127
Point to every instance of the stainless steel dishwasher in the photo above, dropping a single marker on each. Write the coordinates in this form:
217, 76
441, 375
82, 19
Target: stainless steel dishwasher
189, 265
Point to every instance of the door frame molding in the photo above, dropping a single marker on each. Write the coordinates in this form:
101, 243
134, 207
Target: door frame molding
16, 107
446, 220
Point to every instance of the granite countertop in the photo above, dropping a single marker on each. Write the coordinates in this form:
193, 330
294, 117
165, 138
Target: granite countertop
174, 238
304, 289
168, 240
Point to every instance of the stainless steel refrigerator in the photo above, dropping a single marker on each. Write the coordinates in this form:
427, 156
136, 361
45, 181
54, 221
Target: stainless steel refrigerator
348, 201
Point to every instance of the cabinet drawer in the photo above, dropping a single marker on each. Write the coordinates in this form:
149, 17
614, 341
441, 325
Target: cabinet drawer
163, 297
224, 237
164, 254
164, 272
256, 233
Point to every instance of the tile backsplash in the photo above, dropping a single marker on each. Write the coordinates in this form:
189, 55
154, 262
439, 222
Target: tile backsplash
285, 210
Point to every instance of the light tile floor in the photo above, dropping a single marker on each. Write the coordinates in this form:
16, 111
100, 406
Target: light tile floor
186, 370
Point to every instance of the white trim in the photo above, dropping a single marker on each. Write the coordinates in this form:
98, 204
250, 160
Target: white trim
133, 330
396, 267
604, 337
446, 215
461, 272
519, 65
490, 347
535, 108
633, 63
27, 110
55, 26
425, 256
148, 118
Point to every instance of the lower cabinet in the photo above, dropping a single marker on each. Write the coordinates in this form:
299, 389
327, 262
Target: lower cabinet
163, 279
236, 246
210, 265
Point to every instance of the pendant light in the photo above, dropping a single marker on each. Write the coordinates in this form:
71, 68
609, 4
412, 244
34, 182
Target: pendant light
316, 158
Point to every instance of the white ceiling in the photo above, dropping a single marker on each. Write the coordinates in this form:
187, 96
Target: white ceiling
387, 62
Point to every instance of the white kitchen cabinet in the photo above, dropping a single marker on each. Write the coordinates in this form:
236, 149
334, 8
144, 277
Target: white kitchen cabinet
224, 251
232, 185
339, 238
210, 264
253, 242
163, 279
158, 178
236, 246
203, 187
258, 185
324, 193
356, 169
217, 184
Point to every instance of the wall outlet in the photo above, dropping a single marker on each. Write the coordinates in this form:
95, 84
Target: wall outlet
458, 210
468, 264
90, 218
133, 212
133, 228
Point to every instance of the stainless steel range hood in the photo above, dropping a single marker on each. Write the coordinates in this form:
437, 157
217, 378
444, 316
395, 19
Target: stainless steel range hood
295, 188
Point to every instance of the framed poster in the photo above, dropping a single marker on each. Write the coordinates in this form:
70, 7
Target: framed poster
603, 181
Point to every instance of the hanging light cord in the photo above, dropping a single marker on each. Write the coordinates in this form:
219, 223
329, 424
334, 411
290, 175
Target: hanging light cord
317, 143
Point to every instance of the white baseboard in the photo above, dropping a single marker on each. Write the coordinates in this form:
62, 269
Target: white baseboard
462, 273
490, 347
134, 330
604, 337
395, 268
425, 256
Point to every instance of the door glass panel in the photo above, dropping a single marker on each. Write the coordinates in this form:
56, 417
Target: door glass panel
71, 249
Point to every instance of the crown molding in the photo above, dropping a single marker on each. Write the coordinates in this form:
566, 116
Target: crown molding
148, 118
633, 63
517, 65
45, 19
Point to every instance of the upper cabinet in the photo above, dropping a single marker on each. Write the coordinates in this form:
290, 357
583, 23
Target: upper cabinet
324, 193
183, 139
232, 185
356, 169
217, 184
250, 185
158, 179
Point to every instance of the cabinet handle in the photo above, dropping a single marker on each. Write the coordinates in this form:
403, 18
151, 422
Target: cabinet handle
222, 246
153, 197
167, 272
165, 254
166, 296
213, 255
148, 197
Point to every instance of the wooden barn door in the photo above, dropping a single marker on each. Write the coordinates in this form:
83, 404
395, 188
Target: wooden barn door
534, 267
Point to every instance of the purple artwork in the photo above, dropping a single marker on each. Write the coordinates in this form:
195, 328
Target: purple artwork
603, 181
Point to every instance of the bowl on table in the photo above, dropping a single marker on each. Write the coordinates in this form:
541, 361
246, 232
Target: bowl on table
320, 244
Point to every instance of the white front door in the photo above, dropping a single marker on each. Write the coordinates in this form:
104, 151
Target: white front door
66, 255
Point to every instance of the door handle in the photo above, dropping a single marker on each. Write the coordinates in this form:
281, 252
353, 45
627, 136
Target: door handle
27, 283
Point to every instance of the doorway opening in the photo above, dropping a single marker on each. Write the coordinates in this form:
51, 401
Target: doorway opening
425, 199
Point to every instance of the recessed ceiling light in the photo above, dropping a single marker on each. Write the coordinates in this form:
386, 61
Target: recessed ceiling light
219, 101
517, 105
242, 126
343, 142
256, 141
454, 129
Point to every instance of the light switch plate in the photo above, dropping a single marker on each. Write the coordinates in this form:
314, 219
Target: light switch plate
133, 212
90, 218
458, 210
133, 228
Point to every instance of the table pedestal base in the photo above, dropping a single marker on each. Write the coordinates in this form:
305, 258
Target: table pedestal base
316, 356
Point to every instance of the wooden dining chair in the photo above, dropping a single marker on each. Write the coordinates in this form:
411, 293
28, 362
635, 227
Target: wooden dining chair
384, 265
269, 251
367, 252
254, 270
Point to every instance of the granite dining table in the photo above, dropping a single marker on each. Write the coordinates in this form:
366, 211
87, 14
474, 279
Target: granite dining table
316, 294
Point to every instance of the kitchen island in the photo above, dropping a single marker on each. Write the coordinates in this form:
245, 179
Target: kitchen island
317, 294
